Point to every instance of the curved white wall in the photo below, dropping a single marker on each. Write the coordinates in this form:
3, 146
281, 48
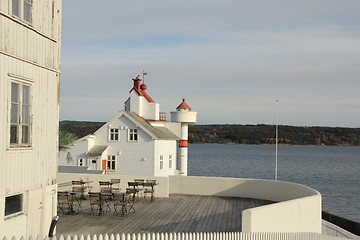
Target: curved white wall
298, 208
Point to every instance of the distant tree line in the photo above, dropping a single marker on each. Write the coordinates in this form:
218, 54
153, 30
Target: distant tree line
246, 134
265, 134
80, 128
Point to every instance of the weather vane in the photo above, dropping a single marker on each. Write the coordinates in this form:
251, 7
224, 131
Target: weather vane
144, 74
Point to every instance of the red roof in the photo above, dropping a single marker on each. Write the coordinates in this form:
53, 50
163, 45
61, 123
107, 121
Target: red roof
183, 105
140, 89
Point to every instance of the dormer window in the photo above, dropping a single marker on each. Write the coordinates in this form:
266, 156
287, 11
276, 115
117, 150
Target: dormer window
113, 134
133, 135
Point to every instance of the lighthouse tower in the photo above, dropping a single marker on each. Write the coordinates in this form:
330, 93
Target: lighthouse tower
185, 116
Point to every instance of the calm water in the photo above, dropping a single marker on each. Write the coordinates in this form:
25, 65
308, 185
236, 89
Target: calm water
333, 171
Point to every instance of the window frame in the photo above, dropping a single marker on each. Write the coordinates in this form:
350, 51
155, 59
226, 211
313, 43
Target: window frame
24, 11
111, 160
14, 213
81, 162
161, 166
170, 161
133, 135
23, 114
114, 136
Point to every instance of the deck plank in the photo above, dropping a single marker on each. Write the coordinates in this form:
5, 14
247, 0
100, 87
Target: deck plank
178, 213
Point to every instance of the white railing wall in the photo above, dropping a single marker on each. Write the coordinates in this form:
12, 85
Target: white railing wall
193, 236
297, 207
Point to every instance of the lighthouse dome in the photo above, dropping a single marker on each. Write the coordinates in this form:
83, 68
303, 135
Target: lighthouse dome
183, 114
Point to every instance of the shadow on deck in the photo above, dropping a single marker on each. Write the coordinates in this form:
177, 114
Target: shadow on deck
178, 213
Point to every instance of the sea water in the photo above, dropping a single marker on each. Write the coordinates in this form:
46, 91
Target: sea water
333, 171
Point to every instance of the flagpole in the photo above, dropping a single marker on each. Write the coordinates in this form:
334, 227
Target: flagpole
276, 140
143, 76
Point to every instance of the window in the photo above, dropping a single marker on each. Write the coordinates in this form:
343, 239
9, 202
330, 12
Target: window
133, 134
111, 162
13, 204
170, 161
161, 162
113, 134
81, 162
16, 7
28, 10
23, 9
20, 125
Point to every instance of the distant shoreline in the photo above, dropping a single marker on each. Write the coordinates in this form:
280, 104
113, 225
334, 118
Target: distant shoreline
278, 144
247, 134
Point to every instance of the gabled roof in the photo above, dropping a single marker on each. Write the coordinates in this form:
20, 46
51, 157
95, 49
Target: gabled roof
160, 133
97, 150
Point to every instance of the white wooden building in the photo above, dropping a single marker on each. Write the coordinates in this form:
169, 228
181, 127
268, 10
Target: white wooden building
136, 141
30, 44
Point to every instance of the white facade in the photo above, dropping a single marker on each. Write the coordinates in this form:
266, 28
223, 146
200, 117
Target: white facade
141, 156
30, 44
146, 155
134, 142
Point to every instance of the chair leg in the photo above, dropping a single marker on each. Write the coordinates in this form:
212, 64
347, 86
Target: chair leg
131, 205
61, 209
122, 210
79, 208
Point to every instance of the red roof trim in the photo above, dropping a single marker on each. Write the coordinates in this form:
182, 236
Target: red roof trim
139, 92
147, 97
142, 93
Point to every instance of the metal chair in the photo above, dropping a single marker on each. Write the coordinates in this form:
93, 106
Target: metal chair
106, 195
95, 202
135, 186
115, 181
63, 201
131, 194
149, 190
151, 181
78, 186
104, 183
120, 201
77, 195
139, 181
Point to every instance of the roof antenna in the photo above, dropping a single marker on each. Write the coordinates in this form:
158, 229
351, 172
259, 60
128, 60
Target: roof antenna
144, 74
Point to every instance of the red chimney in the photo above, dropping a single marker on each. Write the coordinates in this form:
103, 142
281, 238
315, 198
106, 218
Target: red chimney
137, 81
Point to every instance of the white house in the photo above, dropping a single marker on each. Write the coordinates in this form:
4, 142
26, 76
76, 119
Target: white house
136, 141
30, 44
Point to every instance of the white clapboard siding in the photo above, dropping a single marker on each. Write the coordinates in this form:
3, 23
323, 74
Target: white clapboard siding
31, 53
37, 43
30, 168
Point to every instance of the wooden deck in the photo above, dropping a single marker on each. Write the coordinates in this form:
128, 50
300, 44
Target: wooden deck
178, 213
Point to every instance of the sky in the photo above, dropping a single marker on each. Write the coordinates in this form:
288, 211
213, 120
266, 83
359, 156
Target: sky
231, 59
